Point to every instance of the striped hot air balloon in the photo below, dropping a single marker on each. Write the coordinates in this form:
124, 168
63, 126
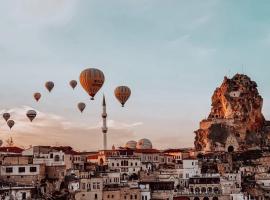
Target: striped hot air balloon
6, 116
31, 114
122, 93
92, 80
81, 106
73, 84
49, 85
10, 123
37, 96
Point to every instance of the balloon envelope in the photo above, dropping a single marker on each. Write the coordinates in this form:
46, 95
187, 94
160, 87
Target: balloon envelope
49, 85
6, 116
73, 84
122, 93
37, 96
31, 114
81, 106
92, 80
10, 123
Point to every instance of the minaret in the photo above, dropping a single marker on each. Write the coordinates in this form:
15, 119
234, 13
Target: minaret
104, 127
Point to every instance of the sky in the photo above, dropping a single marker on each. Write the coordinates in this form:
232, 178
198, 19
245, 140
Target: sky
172, 54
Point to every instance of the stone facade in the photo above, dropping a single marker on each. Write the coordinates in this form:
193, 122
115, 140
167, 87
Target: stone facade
236, 121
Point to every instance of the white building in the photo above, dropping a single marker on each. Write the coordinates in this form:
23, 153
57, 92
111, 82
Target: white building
111, 177
45, 155
126, 165
90, 188
191, 168
20, 170
145, 191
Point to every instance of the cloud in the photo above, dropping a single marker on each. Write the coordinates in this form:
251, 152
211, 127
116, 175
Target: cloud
51, 129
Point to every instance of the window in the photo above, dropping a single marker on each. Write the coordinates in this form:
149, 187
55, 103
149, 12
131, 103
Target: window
23, 195
33, 169
57, 158
83, 186
95, 196
131, 197
51, 155
21, 169
135, 196
9, 170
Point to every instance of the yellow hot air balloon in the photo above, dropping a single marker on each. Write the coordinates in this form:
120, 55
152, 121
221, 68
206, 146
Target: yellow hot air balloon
73, 84
31, 114
10, 123
37, 96
92, 80
6, 116
49, 85
122, 93
81, 106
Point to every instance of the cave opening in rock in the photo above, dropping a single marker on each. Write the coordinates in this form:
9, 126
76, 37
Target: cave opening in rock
230, 149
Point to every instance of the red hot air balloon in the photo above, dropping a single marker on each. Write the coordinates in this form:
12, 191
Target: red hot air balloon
37, 96
92, 80
122, 93
73, 84
31, 114
81, 106
49, 85
6, 116
10, 123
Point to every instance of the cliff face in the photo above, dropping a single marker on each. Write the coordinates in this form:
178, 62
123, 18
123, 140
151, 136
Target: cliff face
235, 119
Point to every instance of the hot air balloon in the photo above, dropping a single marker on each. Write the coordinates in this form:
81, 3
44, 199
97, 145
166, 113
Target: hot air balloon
6, 116
92, 80
122, 93
37, 96
31, 114
49, 85
73, 84
10, 123
81, 106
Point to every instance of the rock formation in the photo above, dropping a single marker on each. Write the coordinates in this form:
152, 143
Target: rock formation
236, 120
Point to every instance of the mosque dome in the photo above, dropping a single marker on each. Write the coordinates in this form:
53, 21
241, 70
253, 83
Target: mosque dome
144, 144
131, 144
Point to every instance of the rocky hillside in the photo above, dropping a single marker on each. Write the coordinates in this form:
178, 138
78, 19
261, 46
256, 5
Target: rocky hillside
236, 120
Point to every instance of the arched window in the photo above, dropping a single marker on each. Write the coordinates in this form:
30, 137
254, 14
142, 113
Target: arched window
209, 190
203, 190
205, 198
197, 190
230, 149
196, 198
57, 158
216, 190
